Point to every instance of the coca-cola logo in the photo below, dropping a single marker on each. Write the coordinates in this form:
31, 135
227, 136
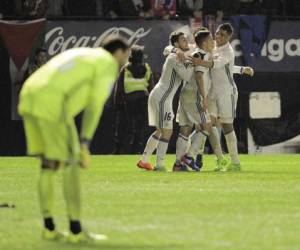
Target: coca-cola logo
57, 42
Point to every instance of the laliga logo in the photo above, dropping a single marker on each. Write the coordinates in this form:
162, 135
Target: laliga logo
274, 49
58, 43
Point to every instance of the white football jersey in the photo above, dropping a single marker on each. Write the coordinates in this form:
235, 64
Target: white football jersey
173, 74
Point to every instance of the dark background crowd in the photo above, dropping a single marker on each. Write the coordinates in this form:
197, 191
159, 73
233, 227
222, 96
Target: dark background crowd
144, 9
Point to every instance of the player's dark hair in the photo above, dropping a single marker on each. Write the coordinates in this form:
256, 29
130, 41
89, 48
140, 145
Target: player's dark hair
137, 54
199, 29
201, 36
227, 27
174, 37
113, 43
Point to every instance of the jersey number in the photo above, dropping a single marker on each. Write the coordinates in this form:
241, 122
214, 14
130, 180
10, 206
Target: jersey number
168, 116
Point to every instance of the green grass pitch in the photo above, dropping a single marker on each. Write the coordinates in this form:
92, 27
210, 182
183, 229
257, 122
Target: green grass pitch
258, 208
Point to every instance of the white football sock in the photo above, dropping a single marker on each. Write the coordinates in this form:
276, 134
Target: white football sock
202, 144
231, 142
214, 139
181, 146
150, 147
197, 139
161, 151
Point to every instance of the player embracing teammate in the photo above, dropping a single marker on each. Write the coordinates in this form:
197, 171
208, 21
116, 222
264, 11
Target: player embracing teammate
208, 96
224, 94
160, 104
193, 110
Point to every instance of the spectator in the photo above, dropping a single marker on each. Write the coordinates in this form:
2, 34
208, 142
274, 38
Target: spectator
131, 97
80, 7
143, 7
147, 9
40, 58
116, 8
164, 9
136, 8
35, 8
31, 8
249, 7
211, 14
213, 8
112, 9
230, 7
272, 7
191, 8
41, 8
55, 8
293, 7
7, 8
126, 8
100, 8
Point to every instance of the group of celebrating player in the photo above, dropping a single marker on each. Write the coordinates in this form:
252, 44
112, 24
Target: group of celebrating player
208, 98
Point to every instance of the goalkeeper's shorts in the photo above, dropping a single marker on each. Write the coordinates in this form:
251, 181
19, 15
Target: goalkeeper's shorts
52, 140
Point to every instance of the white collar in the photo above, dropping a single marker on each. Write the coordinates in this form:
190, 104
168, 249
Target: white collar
226, 45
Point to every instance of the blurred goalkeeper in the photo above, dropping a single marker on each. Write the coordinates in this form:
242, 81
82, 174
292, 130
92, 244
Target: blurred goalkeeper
77, 80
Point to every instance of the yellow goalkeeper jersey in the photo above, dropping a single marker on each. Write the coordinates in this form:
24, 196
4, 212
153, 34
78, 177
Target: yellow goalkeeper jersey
76, 80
